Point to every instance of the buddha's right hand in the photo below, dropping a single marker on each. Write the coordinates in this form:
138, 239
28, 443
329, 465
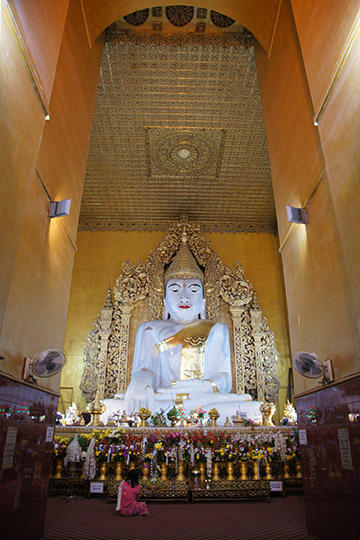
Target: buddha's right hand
140, 393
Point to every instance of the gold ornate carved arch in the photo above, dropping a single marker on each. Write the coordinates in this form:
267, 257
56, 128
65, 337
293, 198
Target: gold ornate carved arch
254, 356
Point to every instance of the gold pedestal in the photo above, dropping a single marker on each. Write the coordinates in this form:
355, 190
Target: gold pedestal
163, 469
216, 472
58, 470
103, 471
298, 469
202, 468
180, 477
256, 470
286, 470
230, 471
243, 470
118, 471
268, 471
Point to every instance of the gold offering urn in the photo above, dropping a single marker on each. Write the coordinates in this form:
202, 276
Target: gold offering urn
144, 414
214, 415
267, 410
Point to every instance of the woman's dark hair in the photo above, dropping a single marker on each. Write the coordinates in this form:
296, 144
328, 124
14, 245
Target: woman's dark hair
133, 477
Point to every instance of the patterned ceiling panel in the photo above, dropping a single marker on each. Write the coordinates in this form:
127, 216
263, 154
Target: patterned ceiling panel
178, 129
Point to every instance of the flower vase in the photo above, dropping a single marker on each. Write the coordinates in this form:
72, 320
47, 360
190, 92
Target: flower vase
216, 472
118, 471
286, 470
230, 471
163, 469
243, 470
132, 465
268, 471
256, 475
58, 470
298, 468
180, 477
103, 471
202, 468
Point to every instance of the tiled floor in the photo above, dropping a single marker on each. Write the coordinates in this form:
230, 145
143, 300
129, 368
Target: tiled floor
94, 519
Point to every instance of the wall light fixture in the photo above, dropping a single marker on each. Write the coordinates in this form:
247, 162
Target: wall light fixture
59, 208
297, 215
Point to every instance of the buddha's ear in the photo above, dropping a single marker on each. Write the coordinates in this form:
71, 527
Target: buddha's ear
165, 312
203, 311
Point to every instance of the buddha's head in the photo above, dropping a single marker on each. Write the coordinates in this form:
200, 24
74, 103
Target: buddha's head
184, 294
184, 299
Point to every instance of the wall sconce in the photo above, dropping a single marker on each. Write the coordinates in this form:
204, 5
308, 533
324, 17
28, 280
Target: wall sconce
59, 208
297, 215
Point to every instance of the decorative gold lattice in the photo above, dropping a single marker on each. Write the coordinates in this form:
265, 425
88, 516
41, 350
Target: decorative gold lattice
178, 127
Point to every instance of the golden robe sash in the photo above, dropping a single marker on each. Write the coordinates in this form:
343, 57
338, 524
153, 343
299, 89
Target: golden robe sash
193, 339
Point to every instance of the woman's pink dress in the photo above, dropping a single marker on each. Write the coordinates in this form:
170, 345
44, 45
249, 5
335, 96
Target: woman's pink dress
129, 501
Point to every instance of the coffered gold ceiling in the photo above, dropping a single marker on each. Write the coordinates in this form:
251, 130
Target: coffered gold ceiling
178, 127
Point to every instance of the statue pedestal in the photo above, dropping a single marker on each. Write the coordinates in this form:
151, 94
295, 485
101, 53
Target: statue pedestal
227, 406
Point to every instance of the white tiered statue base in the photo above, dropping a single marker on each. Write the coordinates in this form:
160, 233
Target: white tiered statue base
228, 405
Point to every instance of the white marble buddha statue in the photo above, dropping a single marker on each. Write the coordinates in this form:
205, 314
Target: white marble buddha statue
184, 355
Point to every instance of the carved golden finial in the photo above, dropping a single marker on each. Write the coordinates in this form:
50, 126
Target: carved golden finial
255, 304
108, 302
184, 265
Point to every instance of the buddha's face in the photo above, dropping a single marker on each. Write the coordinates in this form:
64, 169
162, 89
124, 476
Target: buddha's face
184, 299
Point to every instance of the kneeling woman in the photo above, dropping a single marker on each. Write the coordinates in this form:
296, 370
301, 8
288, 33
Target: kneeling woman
128, 497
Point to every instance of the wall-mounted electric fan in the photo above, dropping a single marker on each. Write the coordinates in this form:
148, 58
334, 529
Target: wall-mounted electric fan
45, 364
309, 365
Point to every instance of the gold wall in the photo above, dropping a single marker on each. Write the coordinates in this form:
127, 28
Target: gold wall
51, 70
98, 264
311, 112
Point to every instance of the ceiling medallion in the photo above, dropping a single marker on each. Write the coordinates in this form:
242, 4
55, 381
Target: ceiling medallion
179, 15
137, 17
188, 152
184, 153
220, 20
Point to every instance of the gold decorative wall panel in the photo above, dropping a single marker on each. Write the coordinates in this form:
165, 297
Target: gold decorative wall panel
178, 128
